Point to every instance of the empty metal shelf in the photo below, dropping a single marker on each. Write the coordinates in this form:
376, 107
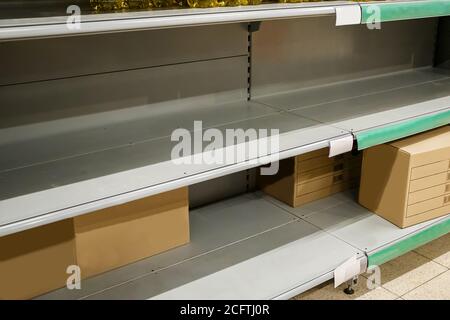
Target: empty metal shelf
374, 104
292, 253
106, 159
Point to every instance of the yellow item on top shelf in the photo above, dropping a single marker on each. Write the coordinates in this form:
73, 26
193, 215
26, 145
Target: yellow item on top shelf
233, 3
297, 1
139, 4
169, 3
205, 3
251, 2
107, 5
179, 3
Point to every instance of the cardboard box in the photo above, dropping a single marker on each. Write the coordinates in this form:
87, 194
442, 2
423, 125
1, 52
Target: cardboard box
35, 261
408, 181
116, 236
312, 176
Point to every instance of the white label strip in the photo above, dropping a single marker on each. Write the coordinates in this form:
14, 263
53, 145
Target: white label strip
346, 271
348, 15
341, 145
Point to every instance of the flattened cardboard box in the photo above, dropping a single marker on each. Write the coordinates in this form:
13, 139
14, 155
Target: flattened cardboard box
35, 261
123, 234
311, 176
408, 181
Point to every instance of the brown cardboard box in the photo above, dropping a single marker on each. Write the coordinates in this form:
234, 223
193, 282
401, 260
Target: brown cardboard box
311, 176
408, 181
113, 237
35, 261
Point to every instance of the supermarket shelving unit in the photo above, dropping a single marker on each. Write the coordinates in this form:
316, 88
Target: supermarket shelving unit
86, 117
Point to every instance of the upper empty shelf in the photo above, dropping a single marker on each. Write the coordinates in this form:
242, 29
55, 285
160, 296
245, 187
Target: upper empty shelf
103, 157
376, 109
94, 141
88, 162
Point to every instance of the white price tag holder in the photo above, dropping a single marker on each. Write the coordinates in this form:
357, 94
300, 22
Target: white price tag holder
349, 269
348, 15
341, 145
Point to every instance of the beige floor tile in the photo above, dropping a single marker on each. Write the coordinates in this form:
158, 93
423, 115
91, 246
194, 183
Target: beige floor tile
328, 292
437, 250
408, 272
436, 289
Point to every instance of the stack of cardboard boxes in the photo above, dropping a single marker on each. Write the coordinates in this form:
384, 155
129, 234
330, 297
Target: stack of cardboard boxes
35, 261
406, 181
312, 176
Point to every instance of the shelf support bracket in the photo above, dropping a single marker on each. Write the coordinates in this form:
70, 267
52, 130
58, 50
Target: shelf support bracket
254, 26
351, 284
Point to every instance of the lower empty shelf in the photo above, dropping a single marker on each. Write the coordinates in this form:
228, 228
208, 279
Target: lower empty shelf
252, 247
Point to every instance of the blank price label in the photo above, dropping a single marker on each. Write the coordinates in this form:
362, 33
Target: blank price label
348, 15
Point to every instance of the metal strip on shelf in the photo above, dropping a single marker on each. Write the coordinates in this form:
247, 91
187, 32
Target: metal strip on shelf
401, 10
56, 26
372, 137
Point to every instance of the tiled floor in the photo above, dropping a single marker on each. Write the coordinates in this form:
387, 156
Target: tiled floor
420, 274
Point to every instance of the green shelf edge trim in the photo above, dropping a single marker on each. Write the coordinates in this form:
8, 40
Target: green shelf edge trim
376, 136
404, 10
408, 244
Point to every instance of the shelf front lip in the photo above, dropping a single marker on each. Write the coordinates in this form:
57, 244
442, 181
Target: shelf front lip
305, 287
410, 242
70, 212
159, 21
405, 10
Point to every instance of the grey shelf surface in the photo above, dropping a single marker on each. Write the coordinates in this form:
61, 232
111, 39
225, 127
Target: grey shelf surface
89, 162
291, 249
35, 27
341, 216
370, 102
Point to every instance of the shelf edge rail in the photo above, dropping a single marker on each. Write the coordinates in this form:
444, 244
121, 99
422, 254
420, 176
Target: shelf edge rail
153, 21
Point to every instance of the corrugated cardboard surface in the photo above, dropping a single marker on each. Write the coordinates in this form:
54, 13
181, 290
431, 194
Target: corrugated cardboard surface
425, 148
430, 181
428, 193
281, 186
406, 181
120, 235
35, 261
425, 142
430, 169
